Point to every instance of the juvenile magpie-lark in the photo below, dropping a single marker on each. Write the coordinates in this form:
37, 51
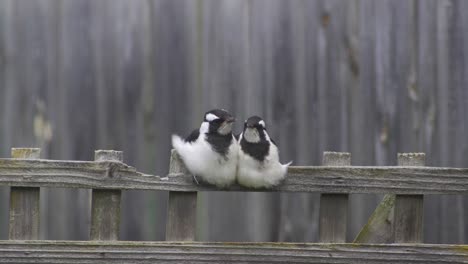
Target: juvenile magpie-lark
211, 152
259, 165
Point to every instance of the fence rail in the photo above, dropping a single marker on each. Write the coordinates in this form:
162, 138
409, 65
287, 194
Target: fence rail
337, 179
108, 175
205, 252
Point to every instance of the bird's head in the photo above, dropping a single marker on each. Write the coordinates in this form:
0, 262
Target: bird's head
254, 129
219, 121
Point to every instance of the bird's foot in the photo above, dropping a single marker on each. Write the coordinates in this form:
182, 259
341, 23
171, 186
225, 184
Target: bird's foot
195, 179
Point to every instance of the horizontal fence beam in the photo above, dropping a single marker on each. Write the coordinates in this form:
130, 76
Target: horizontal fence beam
203, 252
323, 179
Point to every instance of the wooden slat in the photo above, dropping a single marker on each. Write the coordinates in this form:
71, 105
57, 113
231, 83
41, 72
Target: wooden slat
182, 208
105, 207
24, 203
334, 207
352, 179
199, 252
409, 208
379, 227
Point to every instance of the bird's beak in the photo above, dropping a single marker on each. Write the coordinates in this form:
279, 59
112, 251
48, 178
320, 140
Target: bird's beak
230, 120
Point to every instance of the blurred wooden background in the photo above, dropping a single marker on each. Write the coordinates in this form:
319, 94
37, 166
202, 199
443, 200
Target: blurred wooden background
370, 77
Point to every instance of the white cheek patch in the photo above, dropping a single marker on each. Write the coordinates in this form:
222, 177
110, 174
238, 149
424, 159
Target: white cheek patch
210, 117
262, 123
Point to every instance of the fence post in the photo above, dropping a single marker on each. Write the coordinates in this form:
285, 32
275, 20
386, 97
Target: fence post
182, 207
409, 208
334, 207
105, 207
24, 203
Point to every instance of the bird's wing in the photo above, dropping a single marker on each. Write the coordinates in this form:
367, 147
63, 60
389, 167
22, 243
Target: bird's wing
193, 136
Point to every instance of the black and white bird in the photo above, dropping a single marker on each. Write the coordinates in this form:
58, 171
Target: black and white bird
259, 165
211, 152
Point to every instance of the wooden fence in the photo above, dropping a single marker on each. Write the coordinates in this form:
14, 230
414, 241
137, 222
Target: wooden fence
107, 176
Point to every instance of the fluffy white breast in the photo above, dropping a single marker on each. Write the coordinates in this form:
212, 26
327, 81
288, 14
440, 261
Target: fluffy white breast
255, 174
202, 161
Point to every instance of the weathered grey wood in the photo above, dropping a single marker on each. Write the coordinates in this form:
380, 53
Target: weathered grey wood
205, 252
24, 203
105, 204
359, 92
379, 227
333, 217
323, 179
409, 208
182, 208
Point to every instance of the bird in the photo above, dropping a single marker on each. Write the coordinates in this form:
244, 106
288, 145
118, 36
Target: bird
259, 165
211, 152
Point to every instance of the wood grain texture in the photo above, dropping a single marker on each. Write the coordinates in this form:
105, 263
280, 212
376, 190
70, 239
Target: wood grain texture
352, 179
24, 203
105, 204
182, 208
367, 77
379, 227
198, 252
409, 213
333, 218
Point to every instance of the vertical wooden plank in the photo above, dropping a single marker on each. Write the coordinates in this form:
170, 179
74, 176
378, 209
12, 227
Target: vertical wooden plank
171, 44
73, 113
445, 130
227, 54
105, 207
5, 58
462, 73
427, 89
275, 64
454, 207
261, 221
298, 212
24, 203
182, 208
409, 208
362, 109
334, 207
124, 72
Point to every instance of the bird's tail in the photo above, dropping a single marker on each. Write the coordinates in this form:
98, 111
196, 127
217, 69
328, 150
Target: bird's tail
285, 166
177, 143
